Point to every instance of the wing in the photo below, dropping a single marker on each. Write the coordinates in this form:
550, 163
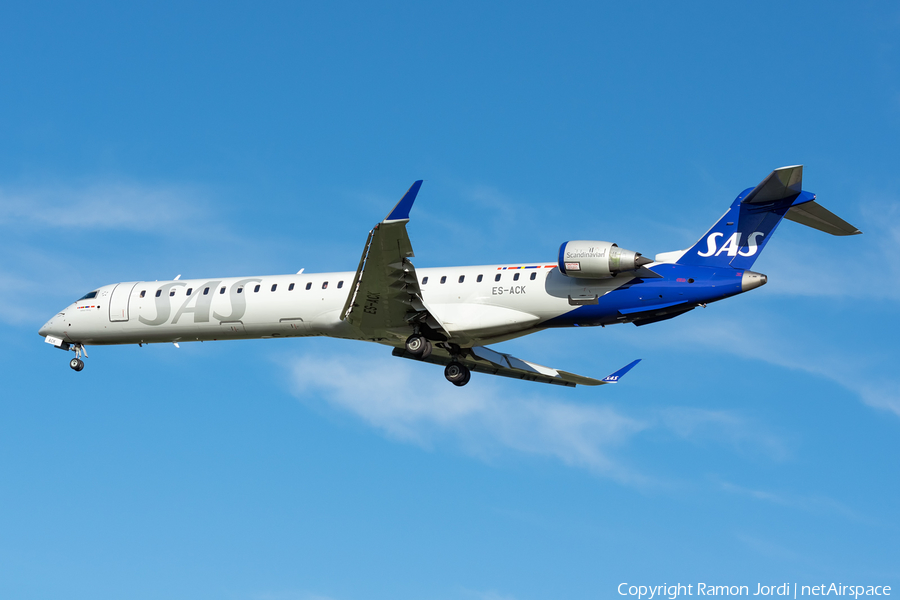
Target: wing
385, 298
484, 360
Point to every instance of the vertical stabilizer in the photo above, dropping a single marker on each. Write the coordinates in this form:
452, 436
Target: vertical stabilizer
739, 237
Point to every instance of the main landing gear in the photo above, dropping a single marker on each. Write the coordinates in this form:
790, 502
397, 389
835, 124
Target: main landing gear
457, 374
420, 348
76, 363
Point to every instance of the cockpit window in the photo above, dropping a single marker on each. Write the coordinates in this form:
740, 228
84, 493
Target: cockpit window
88, 296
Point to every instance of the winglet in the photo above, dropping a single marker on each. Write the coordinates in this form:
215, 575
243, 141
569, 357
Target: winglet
615, 377
401, 211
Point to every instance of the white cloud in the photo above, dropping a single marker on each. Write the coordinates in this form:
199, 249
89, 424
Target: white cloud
41, 226
763, 340
721, 426
879, 394
417, 405
496, 227
833, 265
106, 205
12, 290
816, 504
413, 403
770, 550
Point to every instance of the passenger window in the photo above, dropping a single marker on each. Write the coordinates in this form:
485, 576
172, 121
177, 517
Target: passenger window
340, 284
291, 288
240, 290
222, 291
189, 291
206, 292
309, 285
516, 277
480, 277
533, 276
497, 277
172, 293
324, 285
424, 280
462, 278
443, 279
274, 285
256, 288
143, 292
158, 293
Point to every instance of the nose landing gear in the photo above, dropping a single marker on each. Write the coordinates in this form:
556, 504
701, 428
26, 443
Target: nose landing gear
76, 364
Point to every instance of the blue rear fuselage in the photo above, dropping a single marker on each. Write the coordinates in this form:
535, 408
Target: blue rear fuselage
643, 300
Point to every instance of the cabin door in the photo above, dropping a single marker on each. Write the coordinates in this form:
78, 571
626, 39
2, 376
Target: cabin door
118, 301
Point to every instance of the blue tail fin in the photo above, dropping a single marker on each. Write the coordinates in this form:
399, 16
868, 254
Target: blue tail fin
741, 234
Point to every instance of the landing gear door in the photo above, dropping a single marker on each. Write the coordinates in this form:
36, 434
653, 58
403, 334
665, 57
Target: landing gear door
118, 301
294, 326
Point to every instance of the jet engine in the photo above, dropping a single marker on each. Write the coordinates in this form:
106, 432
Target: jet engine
586, 259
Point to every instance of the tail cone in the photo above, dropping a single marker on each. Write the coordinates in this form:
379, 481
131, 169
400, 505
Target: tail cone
750, 280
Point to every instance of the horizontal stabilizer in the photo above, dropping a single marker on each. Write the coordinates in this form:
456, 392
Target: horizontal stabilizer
780, 184
818, 217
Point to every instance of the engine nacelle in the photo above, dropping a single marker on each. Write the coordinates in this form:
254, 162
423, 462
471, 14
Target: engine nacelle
586, 259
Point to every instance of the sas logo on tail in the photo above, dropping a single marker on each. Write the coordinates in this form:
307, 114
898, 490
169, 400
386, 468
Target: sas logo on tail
731, 246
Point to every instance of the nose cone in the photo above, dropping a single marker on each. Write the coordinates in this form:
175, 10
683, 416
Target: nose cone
49, 328
751, 280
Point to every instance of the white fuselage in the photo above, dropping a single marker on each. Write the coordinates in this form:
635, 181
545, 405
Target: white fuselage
477, 305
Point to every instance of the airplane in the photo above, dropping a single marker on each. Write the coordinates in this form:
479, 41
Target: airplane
448, 315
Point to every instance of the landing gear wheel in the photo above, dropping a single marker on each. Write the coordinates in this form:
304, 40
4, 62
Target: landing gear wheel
457, 374
418, 346
77, 364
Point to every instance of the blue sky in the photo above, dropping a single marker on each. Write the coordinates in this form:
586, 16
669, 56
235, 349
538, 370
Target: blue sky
756, 442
